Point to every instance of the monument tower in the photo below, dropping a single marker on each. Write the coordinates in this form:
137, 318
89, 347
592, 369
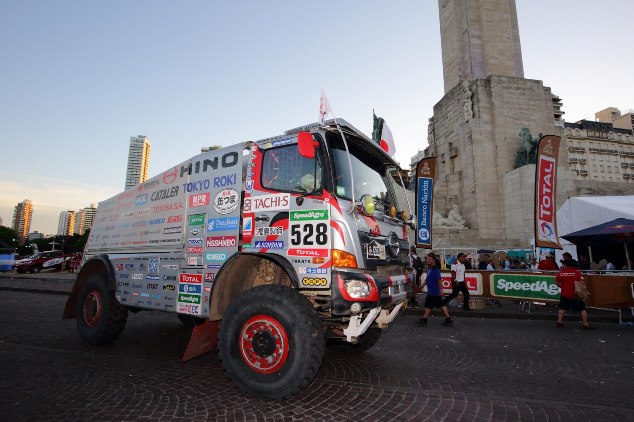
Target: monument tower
475, 130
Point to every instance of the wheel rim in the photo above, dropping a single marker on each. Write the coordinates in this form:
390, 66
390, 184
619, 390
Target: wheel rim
264, 344
93, 308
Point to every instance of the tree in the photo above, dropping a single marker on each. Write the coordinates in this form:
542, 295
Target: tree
81, 243
8, 238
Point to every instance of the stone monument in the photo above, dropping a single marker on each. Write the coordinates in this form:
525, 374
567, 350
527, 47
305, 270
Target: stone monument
474, 130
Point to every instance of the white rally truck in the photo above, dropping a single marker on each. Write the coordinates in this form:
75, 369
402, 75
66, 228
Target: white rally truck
269, 248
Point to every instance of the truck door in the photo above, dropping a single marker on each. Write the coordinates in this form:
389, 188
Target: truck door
286, 206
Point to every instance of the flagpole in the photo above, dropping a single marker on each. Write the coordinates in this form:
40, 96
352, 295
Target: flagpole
345, 144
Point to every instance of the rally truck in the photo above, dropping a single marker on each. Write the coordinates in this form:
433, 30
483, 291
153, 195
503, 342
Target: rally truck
270, 248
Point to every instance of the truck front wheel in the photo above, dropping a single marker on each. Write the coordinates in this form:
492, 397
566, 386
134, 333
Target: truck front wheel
100, 318
270, 342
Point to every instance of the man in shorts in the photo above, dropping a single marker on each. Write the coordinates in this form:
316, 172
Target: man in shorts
434, 293
565, 279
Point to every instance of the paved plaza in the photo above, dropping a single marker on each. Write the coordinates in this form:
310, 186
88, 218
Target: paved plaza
481, 369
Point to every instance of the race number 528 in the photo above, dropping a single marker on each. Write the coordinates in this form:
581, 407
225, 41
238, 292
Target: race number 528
309, 234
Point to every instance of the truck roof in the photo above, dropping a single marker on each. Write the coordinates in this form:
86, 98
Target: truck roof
328, 125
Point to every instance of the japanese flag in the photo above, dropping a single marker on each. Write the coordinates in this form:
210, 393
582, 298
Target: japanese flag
387, 142
324, 108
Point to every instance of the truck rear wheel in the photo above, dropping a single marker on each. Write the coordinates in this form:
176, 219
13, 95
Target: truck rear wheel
270, 342
100, 318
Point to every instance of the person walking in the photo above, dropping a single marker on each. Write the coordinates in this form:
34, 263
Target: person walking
417, 264
565, 279
434, 293
458, 282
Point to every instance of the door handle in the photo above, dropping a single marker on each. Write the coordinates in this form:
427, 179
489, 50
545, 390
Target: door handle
262, 217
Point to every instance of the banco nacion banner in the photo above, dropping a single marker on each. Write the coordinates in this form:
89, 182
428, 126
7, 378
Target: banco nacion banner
546, 193
425, 172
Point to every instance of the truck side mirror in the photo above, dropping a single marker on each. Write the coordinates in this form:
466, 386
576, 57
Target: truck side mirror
306, 144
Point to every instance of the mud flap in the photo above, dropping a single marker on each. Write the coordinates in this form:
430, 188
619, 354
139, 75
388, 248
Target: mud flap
204, 339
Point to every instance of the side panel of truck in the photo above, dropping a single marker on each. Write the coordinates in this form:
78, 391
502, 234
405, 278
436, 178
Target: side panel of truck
168, 238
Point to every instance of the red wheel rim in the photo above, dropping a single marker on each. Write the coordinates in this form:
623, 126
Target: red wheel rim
264, 344
93, 307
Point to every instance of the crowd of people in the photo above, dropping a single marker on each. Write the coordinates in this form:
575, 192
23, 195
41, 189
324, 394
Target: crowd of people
569, 274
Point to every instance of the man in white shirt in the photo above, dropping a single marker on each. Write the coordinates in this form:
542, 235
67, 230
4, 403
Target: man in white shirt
458, 282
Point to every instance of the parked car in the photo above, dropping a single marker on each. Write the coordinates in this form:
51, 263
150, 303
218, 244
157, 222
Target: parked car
43, 260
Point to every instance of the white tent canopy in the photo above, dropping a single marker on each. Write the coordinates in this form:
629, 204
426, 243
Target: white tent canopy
581, 212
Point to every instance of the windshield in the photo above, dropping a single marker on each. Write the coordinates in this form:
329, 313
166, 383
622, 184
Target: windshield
370, 174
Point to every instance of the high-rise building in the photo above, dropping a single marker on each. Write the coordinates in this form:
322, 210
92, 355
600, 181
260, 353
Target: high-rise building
138, 161
84, 219
66, 226
22, 214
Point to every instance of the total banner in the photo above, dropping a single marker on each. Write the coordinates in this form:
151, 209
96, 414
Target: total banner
546, 193
425, 172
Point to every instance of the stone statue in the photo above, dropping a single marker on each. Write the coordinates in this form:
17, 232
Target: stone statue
527, 152
453, 220
454, 217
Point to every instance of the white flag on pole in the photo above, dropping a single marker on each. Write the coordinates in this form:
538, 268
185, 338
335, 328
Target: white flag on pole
324, 108
387, 142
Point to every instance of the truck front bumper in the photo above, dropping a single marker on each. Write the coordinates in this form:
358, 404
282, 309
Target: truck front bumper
375, 291
368, 299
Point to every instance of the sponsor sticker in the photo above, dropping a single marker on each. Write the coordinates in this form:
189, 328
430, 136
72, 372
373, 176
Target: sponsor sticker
270, 244
267, 202
190, 278
141, 199
192, 260
226, 201
269, 231
222, 224
312, 281
308, 252
172, 230
184, 308
199, 200
221, 241
209, 277
190, 288
189, 298
195, 250
196, 220
170, 176
195, 241
216, 257
308, 215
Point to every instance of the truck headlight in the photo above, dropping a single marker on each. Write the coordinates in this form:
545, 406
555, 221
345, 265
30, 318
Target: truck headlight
368, 205
357, 288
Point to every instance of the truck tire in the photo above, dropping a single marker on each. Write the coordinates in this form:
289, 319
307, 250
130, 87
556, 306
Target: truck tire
100, 318
270, 342
367, 340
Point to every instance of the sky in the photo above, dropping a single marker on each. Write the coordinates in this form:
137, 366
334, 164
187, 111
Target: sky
79, 78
